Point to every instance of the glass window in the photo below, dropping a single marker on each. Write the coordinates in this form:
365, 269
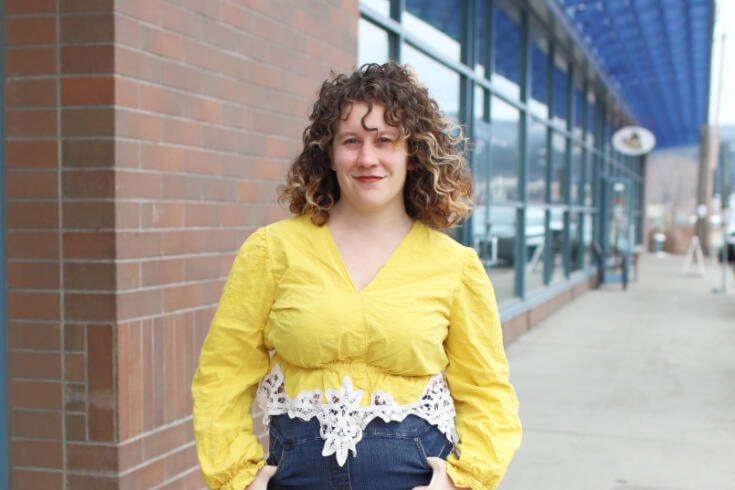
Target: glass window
587, 234
507, 50
577, 170
555, 237
505, 151
540, 78
589, 176
372, 43
481, 40
500, 245
591, 119
558, 167
538, 159
560, 94
436, 22
535, 242
576, 251
578, 113
380, 6
443, 83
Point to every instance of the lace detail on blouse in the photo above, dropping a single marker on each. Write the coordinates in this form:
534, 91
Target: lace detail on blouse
342, 419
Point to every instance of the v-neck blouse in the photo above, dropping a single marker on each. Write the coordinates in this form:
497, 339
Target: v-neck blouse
290, 305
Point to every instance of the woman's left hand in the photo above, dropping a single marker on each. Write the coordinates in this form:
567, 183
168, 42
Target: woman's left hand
440, 479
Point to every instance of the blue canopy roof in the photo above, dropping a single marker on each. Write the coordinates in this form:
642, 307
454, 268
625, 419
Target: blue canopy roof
656, 54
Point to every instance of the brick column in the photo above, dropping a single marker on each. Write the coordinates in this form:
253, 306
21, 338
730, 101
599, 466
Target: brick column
145, 141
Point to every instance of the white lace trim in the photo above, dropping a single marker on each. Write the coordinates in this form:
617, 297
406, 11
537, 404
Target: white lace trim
343, 419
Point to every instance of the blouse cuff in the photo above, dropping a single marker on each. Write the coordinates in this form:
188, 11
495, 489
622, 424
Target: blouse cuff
244, 478
463, 479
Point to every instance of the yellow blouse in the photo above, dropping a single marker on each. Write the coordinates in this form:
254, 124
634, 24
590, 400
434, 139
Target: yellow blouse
430, 309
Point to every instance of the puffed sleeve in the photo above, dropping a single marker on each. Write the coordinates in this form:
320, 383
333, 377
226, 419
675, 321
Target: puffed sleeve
231, 363
477, 374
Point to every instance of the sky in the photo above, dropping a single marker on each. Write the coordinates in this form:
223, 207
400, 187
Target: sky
724, 25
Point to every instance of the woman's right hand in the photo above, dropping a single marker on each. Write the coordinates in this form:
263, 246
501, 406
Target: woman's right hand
260, 482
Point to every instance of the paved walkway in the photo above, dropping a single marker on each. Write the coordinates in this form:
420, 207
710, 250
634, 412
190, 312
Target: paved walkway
631, 390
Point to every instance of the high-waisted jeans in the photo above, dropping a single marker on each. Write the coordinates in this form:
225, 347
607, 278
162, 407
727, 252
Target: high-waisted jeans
390, 456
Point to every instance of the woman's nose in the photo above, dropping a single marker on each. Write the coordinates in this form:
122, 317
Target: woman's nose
368, 154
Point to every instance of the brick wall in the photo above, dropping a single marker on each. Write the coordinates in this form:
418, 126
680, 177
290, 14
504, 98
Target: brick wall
144, 142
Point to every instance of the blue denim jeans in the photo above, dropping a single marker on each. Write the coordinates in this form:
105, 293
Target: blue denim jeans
390, 456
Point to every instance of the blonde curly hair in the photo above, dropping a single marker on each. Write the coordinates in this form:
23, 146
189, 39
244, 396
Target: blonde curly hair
438, 185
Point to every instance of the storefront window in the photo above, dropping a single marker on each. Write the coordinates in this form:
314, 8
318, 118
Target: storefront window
505, 151
556, 243
540, 78
538, 160
438, 22
558, 167
506, 41
535, 244
577, 191
372, 43
590, 120
576, 248
499, 246
578, 114
443, 83
560, 94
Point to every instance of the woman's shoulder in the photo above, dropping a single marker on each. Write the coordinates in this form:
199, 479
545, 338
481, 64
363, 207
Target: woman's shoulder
293, 225
442, 244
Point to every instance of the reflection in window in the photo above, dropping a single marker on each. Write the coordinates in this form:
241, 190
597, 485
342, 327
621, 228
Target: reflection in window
587, 187
496, 247
481, 40
537, 138
576, 251
443, 83
372, 43
535, 243
587, 239
558, 167
539, 78
590, 119
507, 46
560, 96
577, 191
438, 22
578, 113
505, 151
555, 237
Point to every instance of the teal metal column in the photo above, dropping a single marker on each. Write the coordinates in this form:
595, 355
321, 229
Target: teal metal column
4, 470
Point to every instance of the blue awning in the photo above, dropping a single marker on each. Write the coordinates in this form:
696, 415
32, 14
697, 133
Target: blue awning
656, 54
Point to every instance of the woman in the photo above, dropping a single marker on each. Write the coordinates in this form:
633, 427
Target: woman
387, 367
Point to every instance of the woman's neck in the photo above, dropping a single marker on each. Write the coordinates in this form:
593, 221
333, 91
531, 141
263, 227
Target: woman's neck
391, 220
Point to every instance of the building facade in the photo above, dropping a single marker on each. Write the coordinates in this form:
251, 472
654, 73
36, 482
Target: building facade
144, 140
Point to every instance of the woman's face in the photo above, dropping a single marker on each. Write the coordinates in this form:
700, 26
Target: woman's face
371, 164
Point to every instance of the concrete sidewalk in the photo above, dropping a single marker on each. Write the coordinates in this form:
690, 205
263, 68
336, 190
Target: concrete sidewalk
631, 390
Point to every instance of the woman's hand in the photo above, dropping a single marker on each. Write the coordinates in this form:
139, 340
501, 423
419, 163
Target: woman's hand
440, 480
260, 482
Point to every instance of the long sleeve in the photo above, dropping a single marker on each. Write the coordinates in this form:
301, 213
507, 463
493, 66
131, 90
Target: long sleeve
477, 374
232, 361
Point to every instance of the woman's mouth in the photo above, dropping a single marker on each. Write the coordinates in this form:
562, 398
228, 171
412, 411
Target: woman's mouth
368, 179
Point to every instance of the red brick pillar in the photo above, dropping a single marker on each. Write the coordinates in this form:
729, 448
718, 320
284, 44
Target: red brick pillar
144, 142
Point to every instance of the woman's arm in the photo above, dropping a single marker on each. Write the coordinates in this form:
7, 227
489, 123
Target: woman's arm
477, 374
231, 363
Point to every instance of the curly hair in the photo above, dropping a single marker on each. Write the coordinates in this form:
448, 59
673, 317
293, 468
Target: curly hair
438, 185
